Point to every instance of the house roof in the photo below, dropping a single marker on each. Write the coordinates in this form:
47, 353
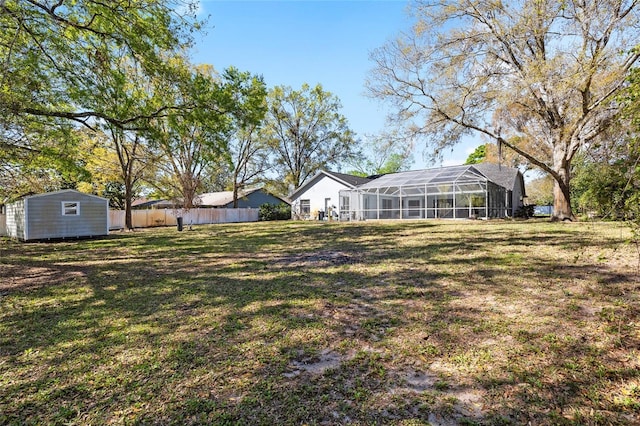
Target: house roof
209, 199
222, 198
216, 199
143, 203
503, 176
349, 181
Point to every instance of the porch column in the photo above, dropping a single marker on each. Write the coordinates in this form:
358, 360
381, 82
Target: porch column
454, 201
426, 197
486, 200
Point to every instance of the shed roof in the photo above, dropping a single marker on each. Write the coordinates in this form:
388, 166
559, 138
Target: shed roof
61, 191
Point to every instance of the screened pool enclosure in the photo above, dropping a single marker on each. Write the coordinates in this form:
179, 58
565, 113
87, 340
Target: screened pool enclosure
448, 192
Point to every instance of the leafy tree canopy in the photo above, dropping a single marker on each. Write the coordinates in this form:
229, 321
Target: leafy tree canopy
607, 176
194, 141
52, 51
307, 133
382, 154
479, 155
59, 60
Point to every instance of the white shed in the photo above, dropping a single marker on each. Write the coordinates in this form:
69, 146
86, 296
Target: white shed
321, 194
61, 214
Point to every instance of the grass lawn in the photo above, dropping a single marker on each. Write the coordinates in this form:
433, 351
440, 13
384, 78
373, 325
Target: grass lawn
408, 323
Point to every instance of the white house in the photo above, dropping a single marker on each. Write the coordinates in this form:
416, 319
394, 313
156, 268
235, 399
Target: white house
455, 192
319, 196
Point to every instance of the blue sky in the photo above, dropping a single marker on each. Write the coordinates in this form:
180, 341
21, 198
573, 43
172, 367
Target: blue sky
294, 42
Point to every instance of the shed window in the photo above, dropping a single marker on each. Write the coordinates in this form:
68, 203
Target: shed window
70, 208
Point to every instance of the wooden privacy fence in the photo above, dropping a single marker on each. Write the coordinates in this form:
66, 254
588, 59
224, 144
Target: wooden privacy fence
167, 217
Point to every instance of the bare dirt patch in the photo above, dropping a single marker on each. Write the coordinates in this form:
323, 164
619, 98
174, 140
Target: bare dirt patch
24, 278
327, 359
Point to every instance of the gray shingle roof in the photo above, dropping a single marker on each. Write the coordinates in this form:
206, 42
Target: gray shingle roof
501, 175
350, 179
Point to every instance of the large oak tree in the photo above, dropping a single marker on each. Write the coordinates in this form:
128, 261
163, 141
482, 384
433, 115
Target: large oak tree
539, 77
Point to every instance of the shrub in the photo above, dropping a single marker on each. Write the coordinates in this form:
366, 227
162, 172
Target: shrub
525, 211
270, 211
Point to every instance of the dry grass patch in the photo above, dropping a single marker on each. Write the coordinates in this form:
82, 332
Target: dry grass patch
425, 322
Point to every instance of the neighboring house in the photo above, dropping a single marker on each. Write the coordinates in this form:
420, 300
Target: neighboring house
319, 196
253, 198
61, 214
468, 191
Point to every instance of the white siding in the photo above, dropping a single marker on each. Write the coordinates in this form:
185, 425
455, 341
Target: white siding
3, 225
41, 216
15, 221
317, 193
46, 220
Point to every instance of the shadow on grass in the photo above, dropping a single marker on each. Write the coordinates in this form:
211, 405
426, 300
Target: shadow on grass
296, 323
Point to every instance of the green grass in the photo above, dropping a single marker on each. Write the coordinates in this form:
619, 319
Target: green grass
408, 323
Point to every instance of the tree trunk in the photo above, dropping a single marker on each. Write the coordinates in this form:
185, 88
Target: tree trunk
562, 196
235, 195
128, 221
187, 192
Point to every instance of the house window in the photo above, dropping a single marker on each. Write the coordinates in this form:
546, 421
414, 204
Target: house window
70, 208
344, 204
305, 206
